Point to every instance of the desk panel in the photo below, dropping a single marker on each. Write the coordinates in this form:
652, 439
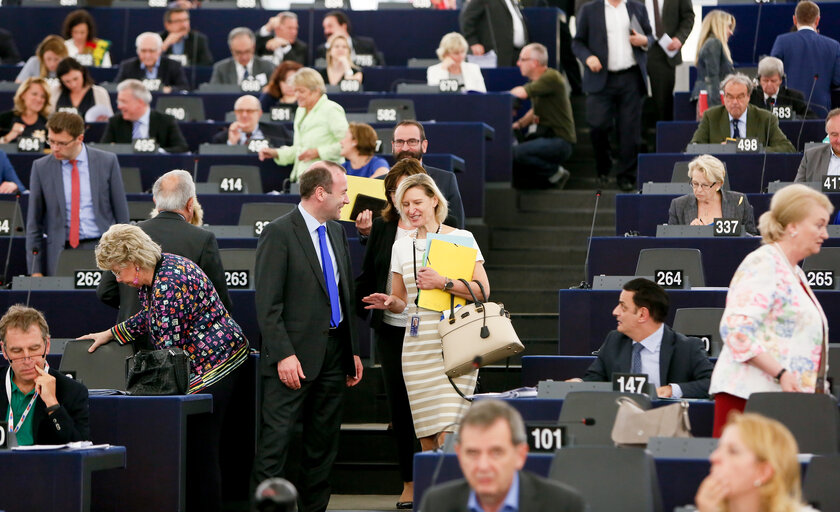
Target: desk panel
674, 136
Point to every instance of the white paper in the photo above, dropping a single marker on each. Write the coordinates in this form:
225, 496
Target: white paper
665, 42
488, 60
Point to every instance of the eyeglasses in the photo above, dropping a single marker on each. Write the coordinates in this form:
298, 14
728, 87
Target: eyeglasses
731, 97
523, 59
701, 186
246, 111
60, 144
34, 357
412, 143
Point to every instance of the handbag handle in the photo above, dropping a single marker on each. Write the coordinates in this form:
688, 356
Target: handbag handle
469, 289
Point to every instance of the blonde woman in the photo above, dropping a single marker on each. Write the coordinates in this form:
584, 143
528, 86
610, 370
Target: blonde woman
754, 469
47, 56
28, 118
452, 53
714, 61
339, 64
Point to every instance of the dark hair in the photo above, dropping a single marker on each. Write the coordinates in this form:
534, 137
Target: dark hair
484, 413
318, 175
167, 16
647, 294
78, 17
279, 75
341, 18
69, 64
412, 122
401, 169
61, 122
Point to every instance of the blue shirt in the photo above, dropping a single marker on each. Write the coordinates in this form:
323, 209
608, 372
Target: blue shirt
7, 172
87, 219
140, 128
511, 503
151, 74
650, 360
742, 125
367, 170
178, 48
312, 226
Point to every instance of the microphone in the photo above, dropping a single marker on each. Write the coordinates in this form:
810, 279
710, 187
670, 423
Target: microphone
195, 170
757, 27
3, 282
583, 421
29, 291
807, 106
764, 160
585, 285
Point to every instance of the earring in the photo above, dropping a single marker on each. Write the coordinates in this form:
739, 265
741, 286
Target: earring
136, 276
757, 482
793, 234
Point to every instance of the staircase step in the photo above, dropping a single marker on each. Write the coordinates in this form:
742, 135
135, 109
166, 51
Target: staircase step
554, 200
535, 325
365, 478
530, 300
544, 256
545, 237
560, 217
527, 277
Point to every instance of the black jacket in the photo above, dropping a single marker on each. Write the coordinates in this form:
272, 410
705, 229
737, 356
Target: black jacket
786, 97
163, 128
170, 72
195, 48
298, 53
276, 134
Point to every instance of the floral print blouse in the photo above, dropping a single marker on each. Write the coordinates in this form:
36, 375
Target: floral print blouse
769, 308
182, 309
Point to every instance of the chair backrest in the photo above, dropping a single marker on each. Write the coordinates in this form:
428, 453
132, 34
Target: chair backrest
609, 478
11, 219
103, 369
834, 370
121, 148
139, 210
598, 405
182, 108
703, 323
421, 63
690, 261
385, 136
208, 148
250, 175
392, 110
798, 411
681, 447
71, 260
826, 259
819, 487
239, 267
259, 214
131, 180
680, 174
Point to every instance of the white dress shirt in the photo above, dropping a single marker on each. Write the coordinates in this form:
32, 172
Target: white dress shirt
518, 26
242, 72
651, 17
742, 125
620, 51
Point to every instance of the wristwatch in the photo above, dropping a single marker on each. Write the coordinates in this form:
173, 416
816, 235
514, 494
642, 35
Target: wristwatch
448, 284
779, 375
52, 408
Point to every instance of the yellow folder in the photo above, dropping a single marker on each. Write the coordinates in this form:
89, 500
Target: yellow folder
452, 261
357, 185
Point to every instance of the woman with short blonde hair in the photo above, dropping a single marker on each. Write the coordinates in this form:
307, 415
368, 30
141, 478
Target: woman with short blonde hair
28, 118
452, 53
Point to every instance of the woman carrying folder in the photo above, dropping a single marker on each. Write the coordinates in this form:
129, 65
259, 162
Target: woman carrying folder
435, 405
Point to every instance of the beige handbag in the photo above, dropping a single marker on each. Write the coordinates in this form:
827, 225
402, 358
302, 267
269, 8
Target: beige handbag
634, 425
475, 335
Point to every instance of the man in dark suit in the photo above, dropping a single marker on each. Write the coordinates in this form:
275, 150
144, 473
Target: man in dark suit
674, 18
410, 141
96, 198
248, 127
306, 312
174, 197
614, 80
771, 93
243, 64
823, 160
188, 46
675, 364
494, 25
150, 65
137, 120
363, 50
59, 412
492, 448
278, 39
812, 60
737, 119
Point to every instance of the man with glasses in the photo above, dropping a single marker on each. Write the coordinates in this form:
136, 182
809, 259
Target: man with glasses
151, 65
187, 46
737, 119
76, 194
40, 405
410, 142
243, 65
248, 126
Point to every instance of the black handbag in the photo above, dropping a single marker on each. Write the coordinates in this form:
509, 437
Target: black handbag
158, 372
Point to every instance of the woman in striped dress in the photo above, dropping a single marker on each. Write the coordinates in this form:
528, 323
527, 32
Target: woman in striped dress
435, 405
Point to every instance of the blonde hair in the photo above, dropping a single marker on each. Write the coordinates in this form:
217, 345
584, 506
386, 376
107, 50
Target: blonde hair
20, 106
125, 244
51, 43
716, 24
310, 79
451, 42
331, 41
425, 182
790, 204
771, 443
711, 167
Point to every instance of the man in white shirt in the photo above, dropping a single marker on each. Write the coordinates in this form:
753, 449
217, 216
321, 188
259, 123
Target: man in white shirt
494, 25
244, 64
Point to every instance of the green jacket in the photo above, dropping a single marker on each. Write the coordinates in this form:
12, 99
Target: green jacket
714, 128
321, 129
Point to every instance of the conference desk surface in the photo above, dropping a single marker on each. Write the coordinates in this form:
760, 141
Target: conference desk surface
674, 136
56, 480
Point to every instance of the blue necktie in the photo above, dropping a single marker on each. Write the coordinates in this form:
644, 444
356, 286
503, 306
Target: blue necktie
329, 277
736, 134
135, 130
636, 362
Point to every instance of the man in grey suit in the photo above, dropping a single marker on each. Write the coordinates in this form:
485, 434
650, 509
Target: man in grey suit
76, 194
243, 64
820, 161
306, 312
491, 450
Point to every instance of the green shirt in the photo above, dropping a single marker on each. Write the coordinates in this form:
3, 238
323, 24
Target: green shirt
549, 95
18, 404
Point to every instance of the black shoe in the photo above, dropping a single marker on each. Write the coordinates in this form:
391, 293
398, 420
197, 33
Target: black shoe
626, 186
603, 181
405, 505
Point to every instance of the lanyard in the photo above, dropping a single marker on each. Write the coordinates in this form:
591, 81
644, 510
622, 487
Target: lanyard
12, 427
414, 260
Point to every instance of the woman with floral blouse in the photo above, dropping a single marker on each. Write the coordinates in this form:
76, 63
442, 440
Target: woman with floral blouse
774, 331
179, 308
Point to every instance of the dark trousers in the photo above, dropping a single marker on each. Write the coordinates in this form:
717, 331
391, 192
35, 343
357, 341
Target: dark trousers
662, 78
204, 475
318, 404
619, 105
536, 160
389, 341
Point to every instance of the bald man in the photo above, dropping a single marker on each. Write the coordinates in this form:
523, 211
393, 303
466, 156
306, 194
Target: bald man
152, 67
248, 127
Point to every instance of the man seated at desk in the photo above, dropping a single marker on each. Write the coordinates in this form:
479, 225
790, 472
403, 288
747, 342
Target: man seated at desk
491, 450
248, 126
160, 72
771, 92
642, 343
823, 160
737, 119
41, 405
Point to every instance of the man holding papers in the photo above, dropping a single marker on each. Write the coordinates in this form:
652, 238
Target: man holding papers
435, 405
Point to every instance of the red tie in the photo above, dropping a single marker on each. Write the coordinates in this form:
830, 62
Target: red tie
74, 205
